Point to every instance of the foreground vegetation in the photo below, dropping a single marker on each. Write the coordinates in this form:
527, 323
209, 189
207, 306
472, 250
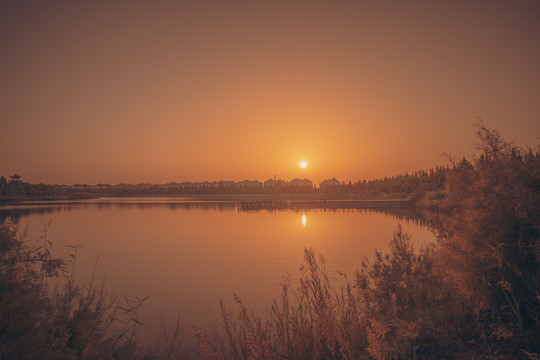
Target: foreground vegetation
473, 294
45, 314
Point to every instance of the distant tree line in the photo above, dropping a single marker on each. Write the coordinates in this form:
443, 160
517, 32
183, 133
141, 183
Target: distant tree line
12, 189
423, 187
413, 186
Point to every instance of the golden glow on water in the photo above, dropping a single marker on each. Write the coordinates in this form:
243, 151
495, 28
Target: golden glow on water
188, 266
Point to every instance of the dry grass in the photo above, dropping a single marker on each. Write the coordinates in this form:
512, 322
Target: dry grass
69, 320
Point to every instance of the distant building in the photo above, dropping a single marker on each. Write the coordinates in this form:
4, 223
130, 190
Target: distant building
171, 186
272, 183
80, 187
144, 186
249, 184
225, 184
329, 183
102, 186
123, 186
300, 183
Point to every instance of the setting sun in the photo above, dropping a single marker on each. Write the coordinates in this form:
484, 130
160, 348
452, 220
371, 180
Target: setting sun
303, 164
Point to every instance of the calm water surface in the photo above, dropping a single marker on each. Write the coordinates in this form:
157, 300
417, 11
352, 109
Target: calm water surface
189, 255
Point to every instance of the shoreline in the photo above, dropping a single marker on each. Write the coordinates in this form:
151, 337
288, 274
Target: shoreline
305, 199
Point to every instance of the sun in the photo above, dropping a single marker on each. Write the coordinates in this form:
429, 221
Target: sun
303, 164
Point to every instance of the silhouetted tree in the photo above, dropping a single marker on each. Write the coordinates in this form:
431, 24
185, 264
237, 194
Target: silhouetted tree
490, 243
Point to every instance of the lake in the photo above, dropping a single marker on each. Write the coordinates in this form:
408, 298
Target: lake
190, 254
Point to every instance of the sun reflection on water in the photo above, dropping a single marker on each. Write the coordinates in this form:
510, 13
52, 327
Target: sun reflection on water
304, 220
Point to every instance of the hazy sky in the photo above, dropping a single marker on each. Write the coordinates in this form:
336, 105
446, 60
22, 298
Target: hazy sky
159, 91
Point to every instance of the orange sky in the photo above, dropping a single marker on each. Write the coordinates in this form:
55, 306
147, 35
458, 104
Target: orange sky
206, 90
